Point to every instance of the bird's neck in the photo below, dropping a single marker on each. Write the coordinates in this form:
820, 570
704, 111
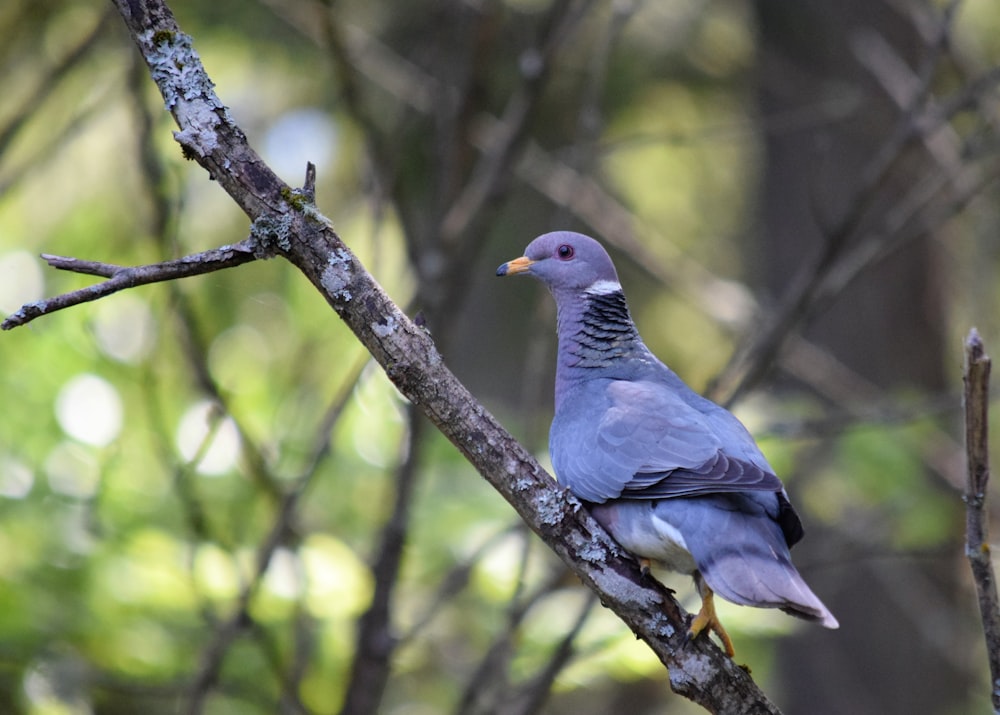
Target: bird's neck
596, 337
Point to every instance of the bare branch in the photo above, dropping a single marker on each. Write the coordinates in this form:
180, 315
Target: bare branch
901, 85
120, 278
490, 681
406, 352
916, 215
454, 582
537, 692
240, 620
509, 131
376, 640
977, 542
915, 123
51, 79
469, 210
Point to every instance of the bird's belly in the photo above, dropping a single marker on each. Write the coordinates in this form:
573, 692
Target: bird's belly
635, 525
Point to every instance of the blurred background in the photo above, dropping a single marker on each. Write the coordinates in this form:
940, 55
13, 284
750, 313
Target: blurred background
211, 502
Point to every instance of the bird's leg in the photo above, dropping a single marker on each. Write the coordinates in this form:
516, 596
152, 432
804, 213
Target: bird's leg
706, 617
644, 567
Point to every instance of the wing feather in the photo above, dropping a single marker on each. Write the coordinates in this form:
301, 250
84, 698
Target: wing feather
653, 439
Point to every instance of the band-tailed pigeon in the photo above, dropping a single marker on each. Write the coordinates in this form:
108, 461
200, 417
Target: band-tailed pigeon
675, 478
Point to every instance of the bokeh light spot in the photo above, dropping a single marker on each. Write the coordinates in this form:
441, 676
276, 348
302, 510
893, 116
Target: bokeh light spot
124, 328
215, 438
16, 478
90, 410
72, 471
297, 137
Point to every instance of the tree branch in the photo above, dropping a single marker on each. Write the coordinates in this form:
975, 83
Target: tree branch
376, 640
698, 670
914, 124
977, 542
408, 356
51, 78
122, 277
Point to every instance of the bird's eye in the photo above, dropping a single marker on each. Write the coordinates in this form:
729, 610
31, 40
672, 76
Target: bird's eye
565, 252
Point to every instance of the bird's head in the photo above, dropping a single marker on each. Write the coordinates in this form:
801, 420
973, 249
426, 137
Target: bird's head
566, 261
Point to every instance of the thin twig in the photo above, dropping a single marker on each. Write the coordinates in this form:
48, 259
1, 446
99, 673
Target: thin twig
977, 542
455, 581
122, 277
472, 209
536, 64
490, 681
226, 633
582, 151
537, 692
334, 38
52, 78
916, 216
748, 365
376, 640
289, 702
900, 84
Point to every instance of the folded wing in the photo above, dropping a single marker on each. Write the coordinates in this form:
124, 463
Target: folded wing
646, 439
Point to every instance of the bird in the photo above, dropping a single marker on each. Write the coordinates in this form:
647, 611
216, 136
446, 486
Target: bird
675, 478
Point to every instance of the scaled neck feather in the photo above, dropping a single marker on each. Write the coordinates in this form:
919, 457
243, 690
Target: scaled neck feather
596, 333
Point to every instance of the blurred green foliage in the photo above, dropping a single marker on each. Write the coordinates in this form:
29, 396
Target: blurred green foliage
146, 439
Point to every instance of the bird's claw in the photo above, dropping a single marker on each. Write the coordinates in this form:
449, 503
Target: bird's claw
706, 619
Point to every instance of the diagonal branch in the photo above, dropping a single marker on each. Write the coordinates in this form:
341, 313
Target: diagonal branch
208, 135
537, 692
51, 79
914, 124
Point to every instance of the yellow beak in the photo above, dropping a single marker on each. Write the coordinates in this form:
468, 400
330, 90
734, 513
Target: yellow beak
512, 268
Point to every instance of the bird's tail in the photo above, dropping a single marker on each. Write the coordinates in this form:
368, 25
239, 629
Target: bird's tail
742, 553
766, 580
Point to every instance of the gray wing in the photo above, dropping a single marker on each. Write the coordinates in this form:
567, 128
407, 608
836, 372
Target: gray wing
649, 439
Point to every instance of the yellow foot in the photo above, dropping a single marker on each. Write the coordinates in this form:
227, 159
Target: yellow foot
644, 567
706, 618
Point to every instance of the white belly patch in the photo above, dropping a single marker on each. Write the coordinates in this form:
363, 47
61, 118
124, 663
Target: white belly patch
636, 527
